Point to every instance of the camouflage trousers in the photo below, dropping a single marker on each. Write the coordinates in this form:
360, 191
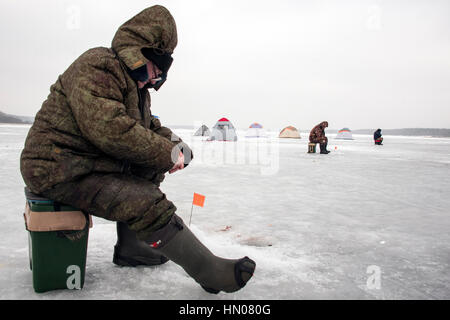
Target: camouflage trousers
118, 197
323, 140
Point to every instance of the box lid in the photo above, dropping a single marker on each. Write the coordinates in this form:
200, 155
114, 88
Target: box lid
55, 220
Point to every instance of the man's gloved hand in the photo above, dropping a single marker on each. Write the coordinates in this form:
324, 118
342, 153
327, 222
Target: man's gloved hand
179, 165
187, 152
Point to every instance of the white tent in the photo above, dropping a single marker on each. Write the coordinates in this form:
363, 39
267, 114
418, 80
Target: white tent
344, 134
289, 132
202, 131
223, 130
256, 131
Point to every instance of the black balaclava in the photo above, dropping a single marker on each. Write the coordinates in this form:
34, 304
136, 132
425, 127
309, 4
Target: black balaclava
139, 74
161, 59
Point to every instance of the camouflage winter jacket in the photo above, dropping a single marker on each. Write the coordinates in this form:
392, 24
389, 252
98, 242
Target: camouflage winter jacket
92, 121
317, 134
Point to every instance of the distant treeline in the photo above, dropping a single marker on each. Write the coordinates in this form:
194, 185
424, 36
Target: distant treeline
431, 132
8, 118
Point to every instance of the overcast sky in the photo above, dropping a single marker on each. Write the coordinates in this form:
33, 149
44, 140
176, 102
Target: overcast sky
358, 64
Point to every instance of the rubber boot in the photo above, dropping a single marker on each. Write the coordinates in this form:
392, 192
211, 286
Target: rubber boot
323, 148
213, 273
131, 252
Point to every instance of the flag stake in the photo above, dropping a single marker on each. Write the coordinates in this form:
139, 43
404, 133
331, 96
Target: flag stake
192, 207
198, 200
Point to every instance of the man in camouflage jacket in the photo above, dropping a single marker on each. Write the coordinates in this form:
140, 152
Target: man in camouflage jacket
317, 135
96, 146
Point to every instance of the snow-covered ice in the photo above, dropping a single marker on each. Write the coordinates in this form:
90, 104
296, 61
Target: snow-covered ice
364, 222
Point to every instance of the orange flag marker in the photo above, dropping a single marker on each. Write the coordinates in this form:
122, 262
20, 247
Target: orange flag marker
199, 200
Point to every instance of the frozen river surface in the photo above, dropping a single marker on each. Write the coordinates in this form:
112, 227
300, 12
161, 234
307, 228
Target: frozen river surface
364, 222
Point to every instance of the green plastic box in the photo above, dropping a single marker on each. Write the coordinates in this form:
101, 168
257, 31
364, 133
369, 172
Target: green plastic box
57, 257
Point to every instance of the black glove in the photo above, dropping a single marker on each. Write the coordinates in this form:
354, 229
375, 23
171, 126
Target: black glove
187, 153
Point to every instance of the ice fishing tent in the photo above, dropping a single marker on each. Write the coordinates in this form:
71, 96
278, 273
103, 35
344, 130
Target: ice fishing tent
344, 134
256, 131
202, 131
289, 132
223, 130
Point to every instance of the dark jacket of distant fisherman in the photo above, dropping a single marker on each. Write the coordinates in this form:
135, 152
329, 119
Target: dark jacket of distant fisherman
377, 134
